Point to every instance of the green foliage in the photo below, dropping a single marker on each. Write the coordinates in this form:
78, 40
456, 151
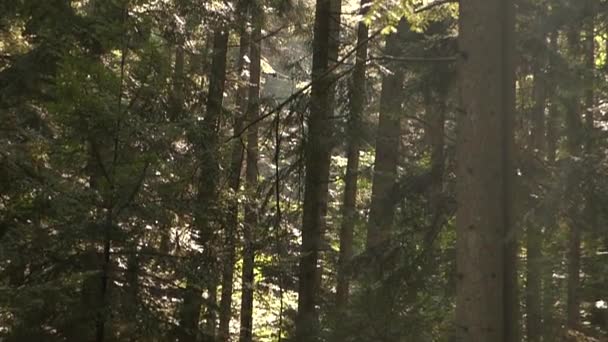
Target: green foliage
101, 142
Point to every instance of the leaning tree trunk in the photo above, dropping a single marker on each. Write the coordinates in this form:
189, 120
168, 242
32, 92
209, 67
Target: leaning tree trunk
206, 140
485, 302
317, 162
349, 207
251, 179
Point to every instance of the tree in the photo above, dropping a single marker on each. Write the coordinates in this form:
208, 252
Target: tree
236, 163
123, 128
357, 107
205, 210
251, 178
484, 219
317, 162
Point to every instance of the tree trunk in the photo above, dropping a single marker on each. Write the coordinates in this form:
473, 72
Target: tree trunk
574, 128
251, 178
575, 140
206, 139
485, 304
387, 148
349, 207
576, 137
382, 207
177, 95
534, 236
317, 162
435, 136
236, 162
548, 289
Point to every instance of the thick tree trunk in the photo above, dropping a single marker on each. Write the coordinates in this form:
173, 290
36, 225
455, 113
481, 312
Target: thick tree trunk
485, 304
236, 162
206, 139
382, 207
349, 206
317, 162
251, 178
388, 134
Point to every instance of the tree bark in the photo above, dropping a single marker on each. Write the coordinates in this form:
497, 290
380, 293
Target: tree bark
534, 236
388, 133
382, 207
317, 161
177, 95
575, 139
204, 211
236, 162
349, 207
435, 136
486, 303
574, 128
251, 179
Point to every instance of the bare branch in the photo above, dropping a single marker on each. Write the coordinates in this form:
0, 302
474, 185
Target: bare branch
412, 59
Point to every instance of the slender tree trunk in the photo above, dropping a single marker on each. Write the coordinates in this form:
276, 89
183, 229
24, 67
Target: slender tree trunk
204, 212
548, 289
534, 236
333, 53
485, 306
177, 95
349, 207
435, 136
132, 291
317, 162
578, 137
574, 128
251, 178
575, 140
236, 162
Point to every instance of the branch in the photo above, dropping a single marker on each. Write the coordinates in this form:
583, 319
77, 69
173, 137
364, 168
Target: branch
138, 185
433, 5
413, 59
308, 86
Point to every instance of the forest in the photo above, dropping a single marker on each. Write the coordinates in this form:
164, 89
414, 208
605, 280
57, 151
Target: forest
304, 170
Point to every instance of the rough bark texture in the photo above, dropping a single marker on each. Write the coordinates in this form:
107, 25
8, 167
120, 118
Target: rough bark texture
317, 161
349, 207
251, 182
206, 140
485, 307
236, 162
